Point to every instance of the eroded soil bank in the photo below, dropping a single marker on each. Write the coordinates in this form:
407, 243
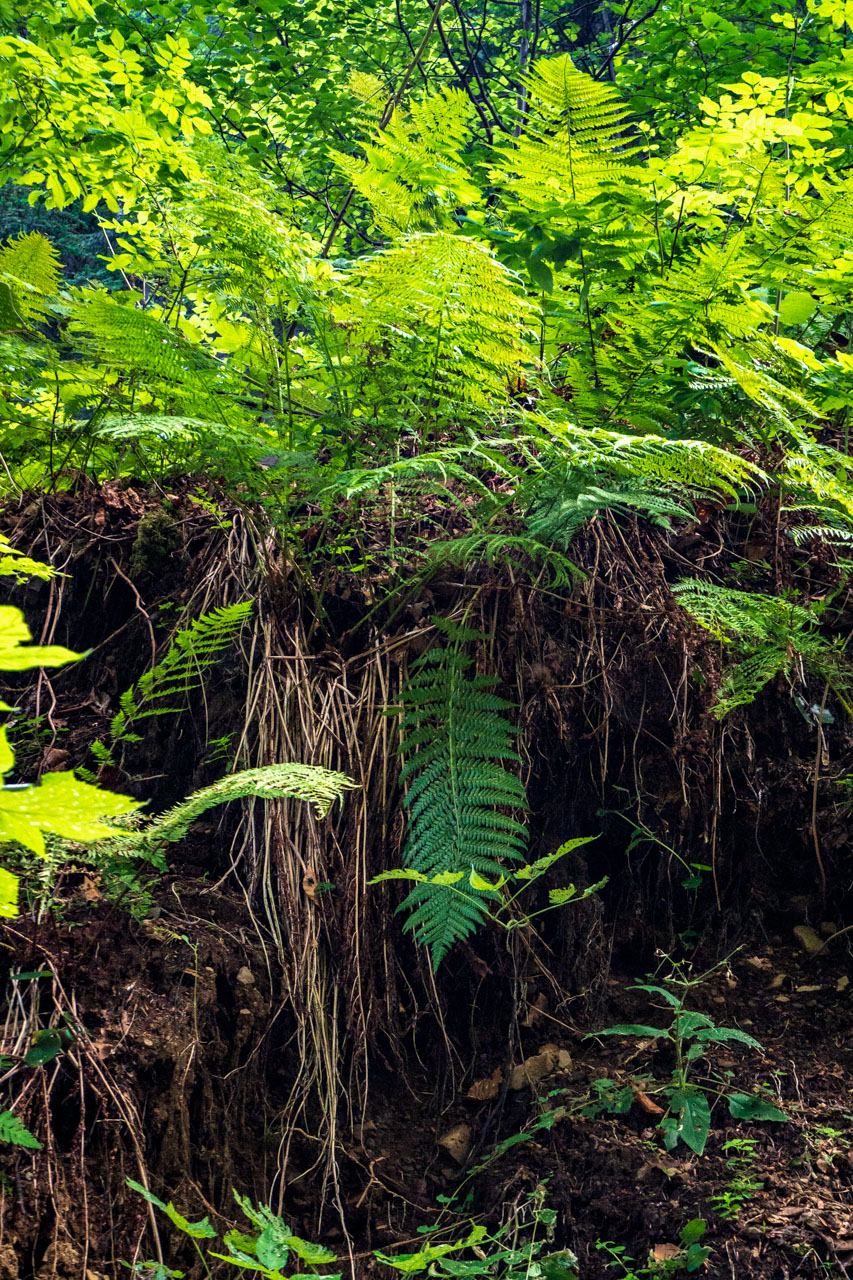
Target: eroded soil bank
222, 1025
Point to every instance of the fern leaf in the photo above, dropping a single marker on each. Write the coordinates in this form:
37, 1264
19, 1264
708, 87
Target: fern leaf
310, 783
13, 1131
455, 737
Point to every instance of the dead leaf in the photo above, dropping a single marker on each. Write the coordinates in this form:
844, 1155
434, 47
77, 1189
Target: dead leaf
483, 1090
843, 983
777, 981
309, 885
89, 889
651, 1108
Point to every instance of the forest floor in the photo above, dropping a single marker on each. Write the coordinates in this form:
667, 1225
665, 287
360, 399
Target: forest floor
186, 983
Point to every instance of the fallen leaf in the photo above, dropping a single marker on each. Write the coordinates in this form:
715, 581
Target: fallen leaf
482, 1090
646, 1103
535, 1010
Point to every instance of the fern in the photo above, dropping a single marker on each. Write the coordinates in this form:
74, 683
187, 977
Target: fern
192, 652
29, 275
597, 471
768, 635
309, 783
446, 321
513, 550
455, 738
413, 177
574, 143
13, 1131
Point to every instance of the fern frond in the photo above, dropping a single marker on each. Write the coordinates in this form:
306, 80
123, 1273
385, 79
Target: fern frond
192, 652
575, 142
310, 783
767, 634
455, 740
413, 176
137, 343
509, 549
450, 321
597, 471
29, 275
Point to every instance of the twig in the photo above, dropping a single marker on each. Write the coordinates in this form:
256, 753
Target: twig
141, 610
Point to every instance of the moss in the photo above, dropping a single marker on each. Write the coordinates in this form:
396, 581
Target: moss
158, 538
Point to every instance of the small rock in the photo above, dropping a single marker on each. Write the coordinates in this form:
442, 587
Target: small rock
828, 928
457, 1142
535, 1068
809, 940
843, 983
245, 977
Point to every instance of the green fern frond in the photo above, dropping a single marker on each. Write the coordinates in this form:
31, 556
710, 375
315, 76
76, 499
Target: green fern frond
575, 141
450, 321
192, 652
767, 634
515, 550
413, 176
597, 471
455, 738
29, 275
137, 343
310, 783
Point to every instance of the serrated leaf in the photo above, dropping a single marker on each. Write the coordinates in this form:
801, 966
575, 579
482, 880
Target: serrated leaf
8, 894
63, 805
17, 654
660, 991
314, 1254
7, 755
13, 1131
398, 874
482, 885
722, 1035
540, 274
693, 1231
797, 307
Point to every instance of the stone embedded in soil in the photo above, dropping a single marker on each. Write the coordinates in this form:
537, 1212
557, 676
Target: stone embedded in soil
809, 940
245, 977
536, 1068
457, 1142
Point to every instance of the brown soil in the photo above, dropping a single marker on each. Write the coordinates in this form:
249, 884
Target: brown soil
196, 1054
